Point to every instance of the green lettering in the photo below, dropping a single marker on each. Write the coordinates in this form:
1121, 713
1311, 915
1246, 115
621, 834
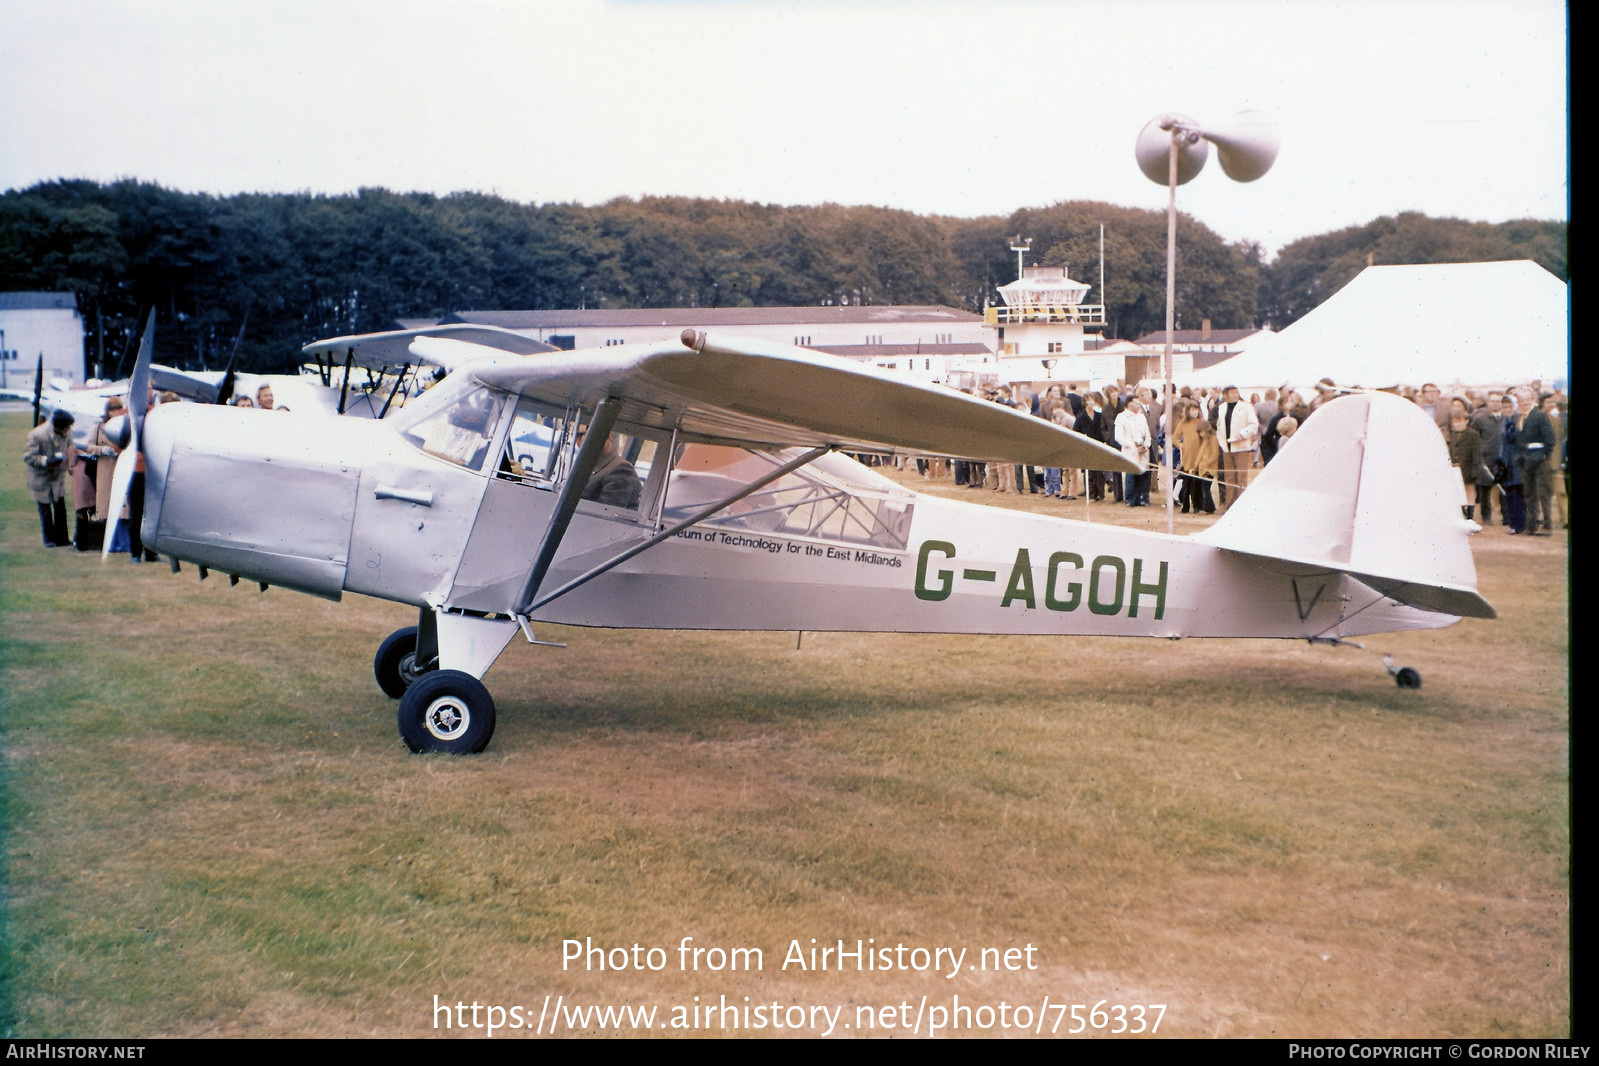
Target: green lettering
1075, 588
1021, 581
1158, 589
946, 577
1095, 602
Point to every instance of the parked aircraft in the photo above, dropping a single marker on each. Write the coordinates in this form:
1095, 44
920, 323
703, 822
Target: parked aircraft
365, 376
700, 484
86, 405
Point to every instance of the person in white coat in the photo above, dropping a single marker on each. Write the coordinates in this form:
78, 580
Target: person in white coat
1237, 429
1135, 441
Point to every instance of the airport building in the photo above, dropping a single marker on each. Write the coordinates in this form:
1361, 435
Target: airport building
922, 342
35, 326
1043, 332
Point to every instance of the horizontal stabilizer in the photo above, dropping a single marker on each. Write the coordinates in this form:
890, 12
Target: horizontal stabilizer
1364, 488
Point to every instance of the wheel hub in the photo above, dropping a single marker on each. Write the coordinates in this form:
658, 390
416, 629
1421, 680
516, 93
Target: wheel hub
447, 718
409, 670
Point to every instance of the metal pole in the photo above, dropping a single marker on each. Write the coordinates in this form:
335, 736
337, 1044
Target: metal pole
344, 390
1103, 302
1171, 303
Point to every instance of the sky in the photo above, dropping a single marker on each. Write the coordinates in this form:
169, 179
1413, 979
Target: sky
1456, 108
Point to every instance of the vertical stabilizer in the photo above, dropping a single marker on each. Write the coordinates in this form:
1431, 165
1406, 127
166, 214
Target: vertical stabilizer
1365, 487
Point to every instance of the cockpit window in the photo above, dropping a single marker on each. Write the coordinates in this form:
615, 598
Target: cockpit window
534, 445
542, 446
462, 431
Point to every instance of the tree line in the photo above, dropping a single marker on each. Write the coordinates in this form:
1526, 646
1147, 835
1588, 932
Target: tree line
275, 271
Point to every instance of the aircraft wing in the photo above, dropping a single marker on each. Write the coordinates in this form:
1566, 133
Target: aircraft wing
762, 394
87, 406
459, 342
191, 385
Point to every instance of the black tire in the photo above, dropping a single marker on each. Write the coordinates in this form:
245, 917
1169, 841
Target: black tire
1407, 678
448, 712
395, 663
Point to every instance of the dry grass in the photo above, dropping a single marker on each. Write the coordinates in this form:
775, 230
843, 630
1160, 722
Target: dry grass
212, 828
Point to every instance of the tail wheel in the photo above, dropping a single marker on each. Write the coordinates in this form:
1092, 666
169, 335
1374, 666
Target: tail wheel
395, 664
447, 711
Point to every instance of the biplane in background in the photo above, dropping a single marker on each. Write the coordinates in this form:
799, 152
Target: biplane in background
365, 376
498, 501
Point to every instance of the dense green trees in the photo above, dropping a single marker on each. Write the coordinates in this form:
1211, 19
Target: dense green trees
299, 267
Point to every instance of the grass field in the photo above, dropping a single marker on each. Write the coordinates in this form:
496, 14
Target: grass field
212, 828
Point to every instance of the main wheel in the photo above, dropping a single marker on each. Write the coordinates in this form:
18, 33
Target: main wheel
1406, 677
395, 663
447, 711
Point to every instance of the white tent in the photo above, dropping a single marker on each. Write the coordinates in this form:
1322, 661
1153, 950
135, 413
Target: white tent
1445, 323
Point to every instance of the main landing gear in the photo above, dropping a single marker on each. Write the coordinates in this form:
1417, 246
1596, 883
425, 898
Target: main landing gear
445, 711
395, 663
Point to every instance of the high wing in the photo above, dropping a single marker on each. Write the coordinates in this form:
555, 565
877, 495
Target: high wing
760, 394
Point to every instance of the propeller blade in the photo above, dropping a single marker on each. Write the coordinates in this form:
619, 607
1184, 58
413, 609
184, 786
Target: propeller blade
121, 481
225, 390
138, 405
139, 384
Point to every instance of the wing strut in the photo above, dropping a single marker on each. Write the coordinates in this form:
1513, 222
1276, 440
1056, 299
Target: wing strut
698, 516
588, 457
398, 381
344, 390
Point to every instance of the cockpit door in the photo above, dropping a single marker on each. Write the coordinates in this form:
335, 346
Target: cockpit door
534, 459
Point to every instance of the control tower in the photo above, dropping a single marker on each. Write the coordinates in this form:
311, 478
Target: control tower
1042, 324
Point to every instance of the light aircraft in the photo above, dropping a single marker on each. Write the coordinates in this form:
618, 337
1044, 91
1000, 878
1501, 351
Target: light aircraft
472, 505
390, 373
393, 369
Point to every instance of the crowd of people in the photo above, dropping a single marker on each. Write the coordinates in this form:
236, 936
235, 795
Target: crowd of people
59, 470
1509, 445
